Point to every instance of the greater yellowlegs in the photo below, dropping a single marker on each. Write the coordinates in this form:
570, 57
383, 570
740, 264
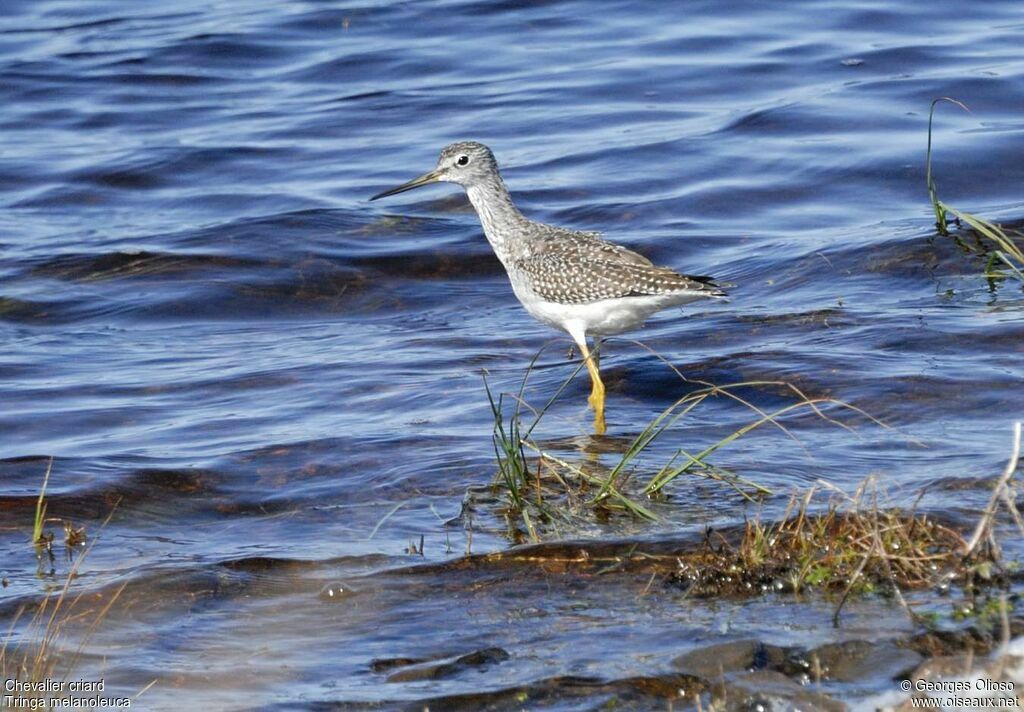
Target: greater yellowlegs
571, 280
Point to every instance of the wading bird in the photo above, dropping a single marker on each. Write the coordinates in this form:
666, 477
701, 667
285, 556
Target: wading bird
570, 280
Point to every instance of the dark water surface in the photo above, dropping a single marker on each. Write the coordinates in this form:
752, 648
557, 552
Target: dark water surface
280, 383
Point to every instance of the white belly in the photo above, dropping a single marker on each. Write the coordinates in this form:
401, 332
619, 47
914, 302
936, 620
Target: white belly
601, 318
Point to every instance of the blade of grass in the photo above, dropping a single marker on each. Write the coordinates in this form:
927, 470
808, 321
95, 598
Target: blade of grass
37, 525
657, 485
1007, 251
940, 213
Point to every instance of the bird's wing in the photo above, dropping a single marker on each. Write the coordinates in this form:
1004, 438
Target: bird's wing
588, 276
593, 242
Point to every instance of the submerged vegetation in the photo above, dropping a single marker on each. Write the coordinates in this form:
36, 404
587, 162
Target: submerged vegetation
50, 645
543, 488
43, 539
825, 540
37, 651
1003, 249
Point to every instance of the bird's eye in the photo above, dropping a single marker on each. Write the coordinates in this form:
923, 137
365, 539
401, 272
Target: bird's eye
463, 161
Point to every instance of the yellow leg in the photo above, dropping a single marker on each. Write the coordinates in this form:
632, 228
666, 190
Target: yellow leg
596, 399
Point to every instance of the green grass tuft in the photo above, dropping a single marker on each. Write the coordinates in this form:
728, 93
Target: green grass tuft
38, 536
57, 629
544, 492
1005, 254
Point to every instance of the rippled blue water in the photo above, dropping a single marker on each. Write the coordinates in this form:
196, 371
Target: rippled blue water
209, 326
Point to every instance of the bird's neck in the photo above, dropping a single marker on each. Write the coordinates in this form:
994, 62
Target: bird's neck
498, 214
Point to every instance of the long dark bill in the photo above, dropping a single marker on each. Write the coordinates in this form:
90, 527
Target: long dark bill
424, 179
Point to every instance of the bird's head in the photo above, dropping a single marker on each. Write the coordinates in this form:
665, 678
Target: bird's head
467, 163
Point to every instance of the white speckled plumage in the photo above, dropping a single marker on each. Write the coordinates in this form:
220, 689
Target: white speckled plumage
568, 279
571, 280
